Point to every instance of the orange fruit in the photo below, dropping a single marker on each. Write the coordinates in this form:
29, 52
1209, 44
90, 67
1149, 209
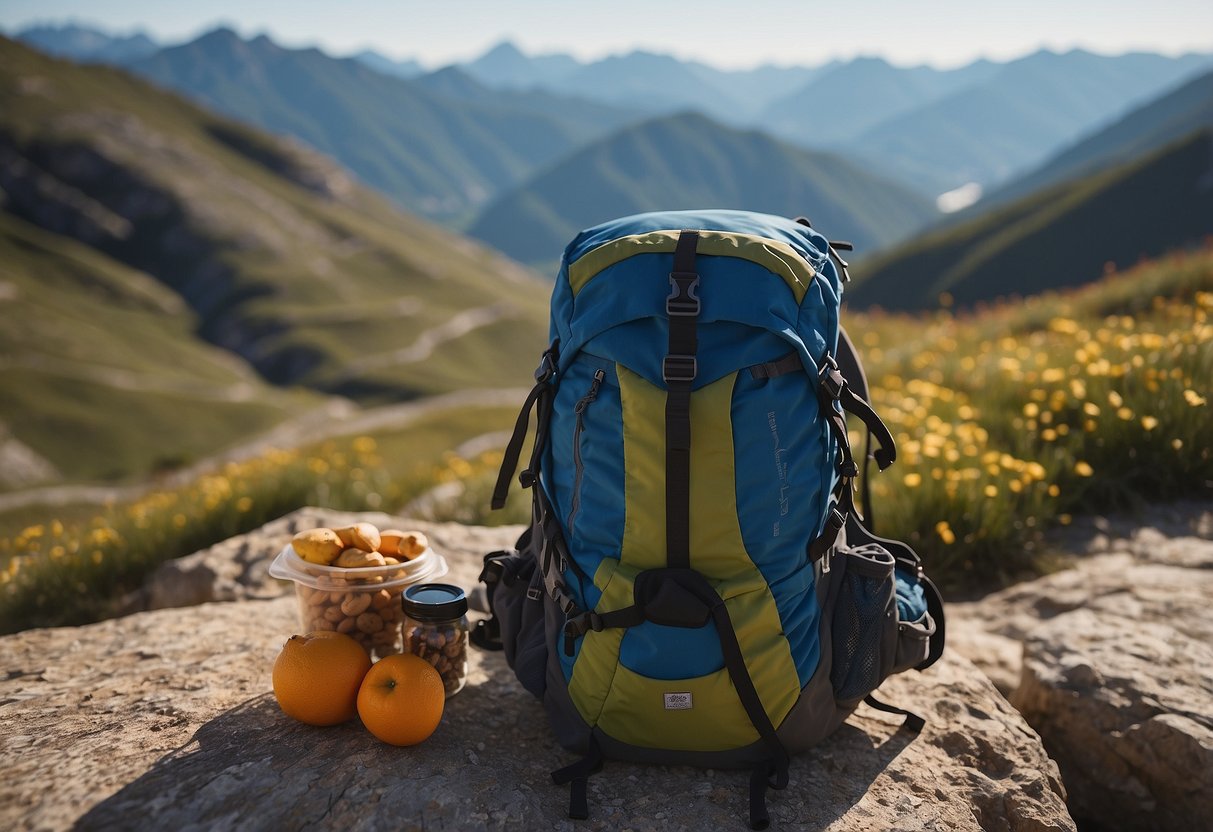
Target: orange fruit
316, 677
401, 699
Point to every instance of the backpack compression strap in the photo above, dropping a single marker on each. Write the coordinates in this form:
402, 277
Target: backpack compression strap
678, 370
857, 380
834, 393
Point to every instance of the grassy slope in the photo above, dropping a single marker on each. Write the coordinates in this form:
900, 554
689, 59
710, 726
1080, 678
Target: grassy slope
101, 372
161, 223
689, 161
267, 243
1061, 236
1011, 419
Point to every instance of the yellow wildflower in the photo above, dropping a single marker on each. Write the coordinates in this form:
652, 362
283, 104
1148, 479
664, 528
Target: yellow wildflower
945, 532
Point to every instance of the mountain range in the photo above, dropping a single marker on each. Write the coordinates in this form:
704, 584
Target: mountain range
689, 161
983, 122
1159, 122
932, 129
525, 150
88, 44
1017, 117
844, 101
440, 156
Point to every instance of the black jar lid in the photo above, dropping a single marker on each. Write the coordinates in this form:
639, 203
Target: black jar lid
434, 602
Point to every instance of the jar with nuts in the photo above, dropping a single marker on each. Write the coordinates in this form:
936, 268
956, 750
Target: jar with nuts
436, 629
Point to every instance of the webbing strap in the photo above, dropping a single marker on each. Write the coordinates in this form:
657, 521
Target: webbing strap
577, 776
678, 371
886, 454
542, 394
790, 363
857, 380
832, 391
760, 781
734, 662
913, 721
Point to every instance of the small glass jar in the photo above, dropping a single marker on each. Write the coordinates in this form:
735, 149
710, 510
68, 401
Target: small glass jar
436, 629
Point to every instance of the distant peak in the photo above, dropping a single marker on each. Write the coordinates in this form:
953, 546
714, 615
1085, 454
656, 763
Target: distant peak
869, 60
220, 33
505, 49
219, 36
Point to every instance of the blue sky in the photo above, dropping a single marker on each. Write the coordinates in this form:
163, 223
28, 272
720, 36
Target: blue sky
732, 34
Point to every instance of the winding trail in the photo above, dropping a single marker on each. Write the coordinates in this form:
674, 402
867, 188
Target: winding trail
337, 417
423, 347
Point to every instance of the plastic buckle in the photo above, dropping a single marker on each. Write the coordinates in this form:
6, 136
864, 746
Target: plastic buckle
683, 300
493, 568
834, 523
533, 593
830, 379
563, 601
547, 366
526, 478
575, 627
679, 368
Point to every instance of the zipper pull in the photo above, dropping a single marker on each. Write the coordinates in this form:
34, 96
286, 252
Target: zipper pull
584, 401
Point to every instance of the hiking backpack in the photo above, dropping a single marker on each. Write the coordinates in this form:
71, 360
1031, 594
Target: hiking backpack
696, 585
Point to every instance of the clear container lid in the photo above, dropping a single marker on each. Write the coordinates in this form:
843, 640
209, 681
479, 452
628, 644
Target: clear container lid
427, 566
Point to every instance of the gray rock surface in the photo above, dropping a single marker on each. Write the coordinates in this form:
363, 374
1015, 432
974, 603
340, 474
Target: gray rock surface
166, 719
1160, 570
1110, 661
1126, 709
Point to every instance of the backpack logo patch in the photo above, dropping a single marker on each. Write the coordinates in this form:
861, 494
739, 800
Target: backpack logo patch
781, 471
680, 701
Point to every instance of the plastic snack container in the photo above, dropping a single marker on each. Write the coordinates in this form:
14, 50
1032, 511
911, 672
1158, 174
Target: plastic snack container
363, 603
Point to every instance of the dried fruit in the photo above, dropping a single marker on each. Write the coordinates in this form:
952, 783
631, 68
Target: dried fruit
362, 536
319, 546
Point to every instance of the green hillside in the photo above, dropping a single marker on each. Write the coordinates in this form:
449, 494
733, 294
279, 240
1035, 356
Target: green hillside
1066, 235
437, 154
1146, 129
102, 374
174, 283
688, 161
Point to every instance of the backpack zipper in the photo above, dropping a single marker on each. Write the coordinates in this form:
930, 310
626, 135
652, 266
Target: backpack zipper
580, 408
